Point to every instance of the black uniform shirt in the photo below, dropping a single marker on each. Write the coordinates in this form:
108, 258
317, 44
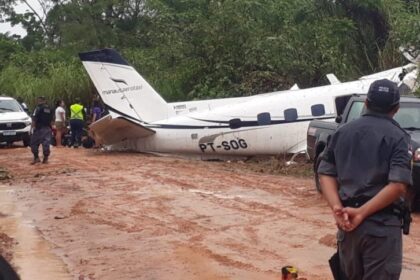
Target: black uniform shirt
42, 116
366, 154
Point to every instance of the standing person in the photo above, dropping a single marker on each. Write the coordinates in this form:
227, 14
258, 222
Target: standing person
96, 111
23, 104
76, 123
41, 123
364, 172
60, 121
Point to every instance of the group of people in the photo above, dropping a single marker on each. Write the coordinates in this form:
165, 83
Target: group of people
44, 119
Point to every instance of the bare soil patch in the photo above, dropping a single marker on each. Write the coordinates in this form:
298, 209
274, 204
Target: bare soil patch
136, 216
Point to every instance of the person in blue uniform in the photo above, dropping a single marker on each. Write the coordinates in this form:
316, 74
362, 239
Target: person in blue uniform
42, 118
365, 172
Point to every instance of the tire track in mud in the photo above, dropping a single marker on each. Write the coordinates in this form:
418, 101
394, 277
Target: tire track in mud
142, 217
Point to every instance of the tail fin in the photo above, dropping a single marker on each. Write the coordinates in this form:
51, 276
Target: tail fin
121, 88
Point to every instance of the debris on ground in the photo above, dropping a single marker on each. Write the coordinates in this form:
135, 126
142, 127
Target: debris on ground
4, 174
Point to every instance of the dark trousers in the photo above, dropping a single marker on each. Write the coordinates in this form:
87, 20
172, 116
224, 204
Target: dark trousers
372, 251
41, 135
76, 127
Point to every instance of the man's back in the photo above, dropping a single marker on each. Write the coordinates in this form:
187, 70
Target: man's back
363, 149
365, 169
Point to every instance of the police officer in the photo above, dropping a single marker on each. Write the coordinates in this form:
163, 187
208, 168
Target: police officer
365, 170
41, 122
76, 123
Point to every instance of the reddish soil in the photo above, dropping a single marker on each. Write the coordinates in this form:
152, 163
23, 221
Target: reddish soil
136, 216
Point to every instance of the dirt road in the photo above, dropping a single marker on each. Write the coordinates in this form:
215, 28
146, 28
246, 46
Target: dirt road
94, 215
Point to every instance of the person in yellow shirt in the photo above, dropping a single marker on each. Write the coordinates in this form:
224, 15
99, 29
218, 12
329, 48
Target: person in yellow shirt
77, 116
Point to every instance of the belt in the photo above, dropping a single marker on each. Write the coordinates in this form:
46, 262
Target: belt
359, 201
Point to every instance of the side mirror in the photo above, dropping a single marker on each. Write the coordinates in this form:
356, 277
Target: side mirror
338, 119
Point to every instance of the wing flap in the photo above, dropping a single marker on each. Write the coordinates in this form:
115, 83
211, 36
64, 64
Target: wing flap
109, 130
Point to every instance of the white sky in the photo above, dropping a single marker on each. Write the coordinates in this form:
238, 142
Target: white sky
17, 29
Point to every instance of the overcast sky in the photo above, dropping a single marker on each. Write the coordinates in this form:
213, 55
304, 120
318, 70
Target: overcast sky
20, 8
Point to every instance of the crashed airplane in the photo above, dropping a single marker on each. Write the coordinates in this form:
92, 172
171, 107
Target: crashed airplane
267, 124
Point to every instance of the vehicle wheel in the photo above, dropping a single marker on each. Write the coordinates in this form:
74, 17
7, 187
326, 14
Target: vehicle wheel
316, 165
26, 141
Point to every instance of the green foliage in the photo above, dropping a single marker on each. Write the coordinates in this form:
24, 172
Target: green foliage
194, 49
51, 74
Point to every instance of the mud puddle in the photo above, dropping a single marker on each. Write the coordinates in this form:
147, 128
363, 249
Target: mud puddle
32, 256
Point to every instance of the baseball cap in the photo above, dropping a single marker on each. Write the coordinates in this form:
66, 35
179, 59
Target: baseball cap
383, 95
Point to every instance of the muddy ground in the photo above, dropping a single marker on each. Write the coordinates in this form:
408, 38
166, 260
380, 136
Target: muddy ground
94, 215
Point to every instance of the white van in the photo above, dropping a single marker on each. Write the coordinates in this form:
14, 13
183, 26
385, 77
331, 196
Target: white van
15, 124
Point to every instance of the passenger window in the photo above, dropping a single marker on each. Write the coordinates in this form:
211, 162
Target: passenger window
290, 115
318, 110
264, 119
355, 110
235, 123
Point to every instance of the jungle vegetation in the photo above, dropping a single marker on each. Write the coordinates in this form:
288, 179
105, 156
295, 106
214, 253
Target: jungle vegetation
193, 49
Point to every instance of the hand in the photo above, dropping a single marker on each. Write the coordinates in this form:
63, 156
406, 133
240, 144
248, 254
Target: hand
355, 217
341, 218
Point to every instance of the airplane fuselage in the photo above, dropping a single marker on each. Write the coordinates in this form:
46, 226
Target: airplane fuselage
244, 126
265, 124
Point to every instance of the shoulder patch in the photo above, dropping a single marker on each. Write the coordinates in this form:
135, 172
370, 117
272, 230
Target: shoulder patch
410, 150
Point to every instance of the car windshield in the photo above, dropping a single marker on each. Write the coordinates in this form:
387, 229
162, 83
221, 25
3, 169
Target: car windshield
9, 106
408, 116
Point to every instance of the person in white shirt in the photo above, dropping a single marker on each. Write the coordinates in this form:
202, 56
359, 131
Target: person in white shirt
60, 121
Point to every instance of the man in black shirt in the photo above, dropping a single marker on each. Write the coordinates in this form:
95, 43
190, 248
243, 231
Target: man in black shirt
41, 122
364, 173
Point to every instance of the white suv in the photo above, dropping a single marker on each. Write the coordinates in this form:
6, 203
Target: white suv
15, 124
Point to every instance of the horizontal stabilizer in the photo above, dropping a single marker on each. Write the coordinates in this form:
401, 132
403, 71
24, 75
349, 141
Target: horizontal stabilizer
109, 130
294, 87
333, 79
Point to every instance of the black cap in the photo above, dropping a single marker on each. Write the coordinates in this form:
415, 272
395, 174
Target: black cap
383, 95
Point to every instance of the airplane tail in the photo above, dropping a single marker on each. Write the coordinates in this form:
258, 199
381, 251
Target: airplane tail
121, 87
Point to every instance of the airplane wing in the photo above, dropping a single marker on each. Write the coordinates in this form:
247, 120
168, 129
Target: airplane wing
113, 129
391, 74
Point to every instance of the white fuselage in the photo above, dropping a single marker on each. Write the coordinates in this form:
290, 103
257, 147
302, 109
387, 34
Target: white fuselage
265, 124
203, 126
